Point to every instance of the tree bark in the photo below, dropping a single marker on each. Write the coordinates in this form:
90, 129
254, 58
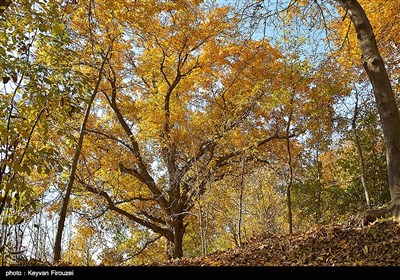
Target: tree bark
201, 230
290, 166
318, 209
175, 246
74, 166
385, 101
360, 154
241, 185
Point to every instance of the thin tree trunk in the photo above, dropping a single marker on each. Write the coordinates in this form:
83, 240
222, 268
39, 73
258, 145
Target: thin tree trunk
318, 212
63, 212
202, 233
385, 101
202, 238
290, 180
241, 202
206, 229
360, 154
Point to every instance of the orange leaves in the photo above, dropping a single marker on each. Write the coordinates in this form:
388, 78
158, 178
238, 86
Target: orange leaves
185, 58
183, 95
383, 16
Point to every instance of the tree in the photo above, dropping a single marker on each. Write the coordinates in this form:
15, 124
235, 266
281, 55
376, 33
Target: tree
385, 102
74, 166
367, 143
190, 72
360, 153
374, 67
33, 78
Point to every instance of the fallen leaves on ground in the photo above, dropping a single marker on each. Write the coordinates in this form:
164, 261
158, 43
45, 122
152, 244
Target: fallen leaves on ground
377, 244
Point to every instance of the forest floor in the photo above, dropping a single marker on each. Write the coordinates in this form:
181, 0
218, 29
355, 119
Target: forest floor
335, 245
377, 244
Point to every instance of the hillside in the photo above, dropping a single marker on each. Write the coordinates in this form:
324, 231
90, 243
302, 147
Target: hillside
377, 244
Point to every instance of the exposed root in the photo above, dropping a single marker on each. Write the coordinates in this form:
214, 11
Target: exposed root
371, 215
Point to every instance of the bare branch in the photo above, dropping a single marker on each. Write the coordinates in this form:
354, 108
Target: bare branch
110, 137
112, 206
142, 174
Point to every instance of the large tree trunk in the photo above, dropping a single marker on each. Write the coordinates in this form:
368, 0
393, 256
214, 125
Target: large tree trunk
175, 246
385, 101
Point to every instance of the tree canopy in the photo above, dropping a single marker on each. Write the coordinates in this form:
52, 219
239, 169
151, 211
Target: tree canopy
139, 131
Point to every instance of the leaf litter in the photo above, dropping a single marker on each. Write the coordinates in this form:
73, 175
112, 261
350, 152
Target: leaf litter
345, 244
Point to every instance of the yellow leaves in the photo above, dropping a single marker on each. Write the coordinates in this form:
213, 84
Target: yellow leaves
328, 165
58, 28
82, 246
181, 77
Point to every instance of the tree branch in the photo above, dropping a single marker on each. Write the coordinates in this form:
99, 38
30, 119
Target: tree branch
226, 157
142, 174
111, 138
148, 242
152, 218
112, 206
